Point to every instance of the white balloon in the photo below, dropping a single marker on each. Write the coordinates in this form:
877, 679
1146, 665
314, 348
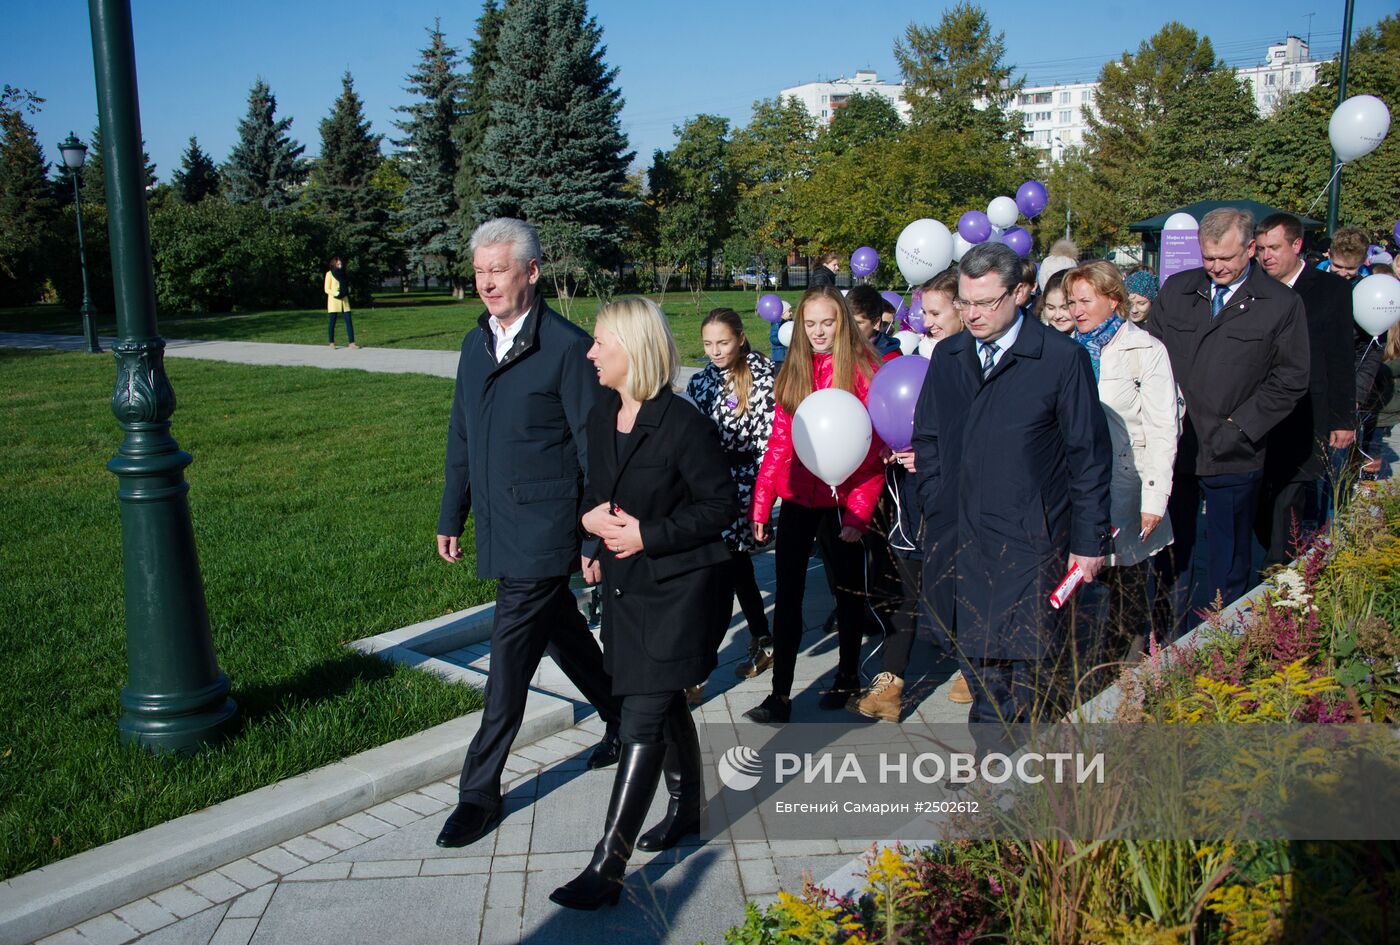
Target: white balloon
1002, 211
923, 250
1375, 303
785, 334
1358, 126
960, 246
908, 341
1181, 221
831, 434
926, 346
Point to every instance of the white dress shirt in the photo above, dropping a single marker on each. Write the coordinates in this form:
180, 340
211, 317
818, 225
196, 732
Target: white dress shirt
1002, 343
505, 337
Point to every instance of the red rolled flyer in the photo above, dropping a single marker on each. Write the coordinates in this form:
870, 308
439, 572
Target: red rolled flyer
1071, 580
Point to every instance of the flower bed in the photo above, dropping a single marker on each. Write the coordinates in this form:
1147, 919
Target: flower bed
1318, 645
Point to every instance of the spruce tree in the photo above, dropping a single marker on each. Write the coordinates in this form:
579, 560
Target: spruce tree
555, 153
342, 189
431, 230
266, 164
27, 209
476, 114
197, 177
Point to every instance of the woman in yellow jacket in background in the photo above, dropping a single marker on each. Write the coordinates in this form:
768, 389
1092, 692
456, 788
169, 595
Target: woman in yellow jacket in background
338, 302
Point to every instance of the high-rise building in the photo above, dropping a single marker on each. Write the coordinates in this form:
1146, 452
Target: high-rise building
1053, 115
825, 99
1287, 69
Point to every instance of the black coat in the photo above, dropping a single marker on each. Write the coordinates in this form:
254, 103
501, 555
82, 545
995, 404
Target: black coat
1240, 373
516, 448
665, 610
1013, 475
1297, 447
821, 276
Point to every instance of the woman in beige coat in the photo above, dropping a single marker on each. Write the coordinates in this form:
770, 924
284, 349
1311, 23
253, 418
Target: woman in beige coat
338, 302
1139, 400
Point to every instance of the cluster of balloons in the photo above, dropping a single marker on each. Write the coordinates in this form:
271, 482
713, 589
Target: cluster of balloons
998, 223
831, 430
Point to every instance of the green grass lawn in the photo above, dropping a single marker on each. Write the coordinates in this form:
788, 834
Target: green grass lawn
314, 496
431, 320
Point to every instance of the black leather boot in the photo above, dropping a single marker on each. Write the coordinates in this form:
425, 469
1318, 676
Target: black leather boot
600, 883
685, 782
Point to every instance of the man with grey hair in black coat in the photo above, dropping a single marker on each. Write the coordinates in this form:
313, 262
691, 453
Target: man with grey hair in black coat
1238, 343
516, 456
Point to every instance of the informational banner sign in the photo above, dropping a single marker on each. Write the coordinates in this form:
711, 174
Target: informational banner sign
1181, 250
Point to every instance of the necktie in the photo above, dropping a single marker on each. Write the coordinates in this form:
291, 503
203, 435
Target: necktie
989, 353
1217, 301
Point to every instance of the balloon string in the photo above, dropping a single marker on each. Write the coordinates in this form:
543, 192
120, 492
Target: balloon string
1326, 187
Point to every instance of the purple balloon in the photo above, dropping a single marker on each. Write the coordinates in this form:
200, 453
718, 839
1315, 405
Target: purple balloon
974, 226
1018, 239
864, 261
1031, 198
893, 395
770, 307
1396, 231
901, 310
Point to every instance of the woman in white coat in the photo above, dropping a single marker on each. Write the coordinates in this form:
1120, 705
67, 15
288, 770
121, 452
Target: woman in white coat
1139, 400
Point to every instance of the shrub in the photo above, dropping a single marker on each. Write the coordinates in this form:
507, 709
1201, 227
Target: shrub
214, 256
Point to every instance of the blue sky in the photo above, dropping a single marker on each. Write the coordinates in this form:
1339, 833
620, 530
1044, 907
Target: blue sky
196, 60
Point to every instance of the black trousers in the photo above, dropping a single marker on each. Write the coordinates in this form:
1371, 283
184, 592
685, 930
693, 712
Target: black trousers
1231, 502
895, 596
1112, 618
750, 597
1015, 691
532, 617
1283, 518
649, 718
798, 528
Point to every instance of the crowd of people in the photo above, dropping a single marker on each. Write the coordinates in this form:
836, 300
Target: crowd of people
1069, 418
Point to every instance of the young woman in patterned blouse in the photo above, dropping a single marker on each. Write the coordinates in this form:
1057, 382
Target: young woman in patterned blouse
735, 390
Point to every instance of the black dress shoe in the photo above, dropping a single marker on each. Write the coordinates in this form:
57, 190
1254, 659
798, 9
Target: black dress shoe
467, 824
842, 688
605, 753
773, 709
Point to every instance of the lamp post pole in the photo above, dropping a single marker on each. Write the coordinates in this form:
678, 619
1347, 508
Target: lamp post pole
74, 152
1334, 195
176, 698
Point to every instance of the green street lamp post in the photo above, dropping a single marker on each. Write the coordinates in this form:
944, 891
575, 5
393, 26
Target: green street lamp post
176, 698
1334, 192
74, 154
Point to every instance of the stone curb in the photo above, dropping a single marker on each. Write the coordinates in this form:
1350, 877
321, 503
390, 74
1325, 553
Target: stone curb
68, 892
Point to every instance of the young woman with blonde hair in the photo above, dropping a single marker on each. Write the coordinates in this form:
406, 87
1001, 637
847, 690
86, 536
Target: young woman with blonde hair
658, 496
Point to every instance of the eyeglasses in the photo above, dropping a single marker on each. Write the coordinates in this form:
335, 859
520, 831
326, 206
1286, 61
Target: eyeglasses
963, 305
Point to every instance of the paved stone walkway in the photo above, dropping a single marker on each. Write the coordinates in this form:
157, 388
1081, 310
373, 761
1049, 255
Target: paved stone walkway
384, 360
377, 877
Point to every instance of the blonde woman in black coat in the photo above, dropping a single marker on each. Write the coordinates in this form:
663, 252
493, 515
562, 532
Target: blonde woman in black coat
659, 496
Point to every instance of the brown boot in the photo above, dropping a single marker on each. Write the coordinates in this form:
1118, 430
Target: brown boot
882, 700
960, 693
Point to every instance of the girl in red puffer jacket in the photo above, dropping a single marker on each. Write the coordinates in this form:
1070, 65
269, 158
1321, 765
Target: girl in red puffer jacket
828, 350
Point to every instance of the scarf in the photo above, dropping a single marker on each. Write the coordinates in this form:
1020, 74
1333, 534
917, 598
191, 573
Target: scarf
1094, 341
339, 276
